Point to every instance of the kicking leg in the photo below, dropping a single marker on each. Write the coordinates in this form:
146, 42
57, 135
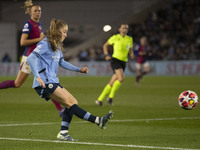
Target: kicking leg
62, 96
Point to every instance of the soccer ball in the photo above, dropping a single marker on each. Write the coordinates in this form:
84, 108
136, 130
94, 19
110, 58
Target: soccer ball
188, 100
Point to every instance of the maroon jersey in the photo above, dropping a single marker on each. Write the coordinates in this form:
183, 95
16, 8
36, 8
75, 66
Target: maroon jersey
140, 58
33, 30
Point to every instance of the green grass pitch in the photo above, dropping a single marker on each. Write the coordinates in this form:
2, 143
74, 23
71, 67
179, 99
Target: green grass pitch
145, 117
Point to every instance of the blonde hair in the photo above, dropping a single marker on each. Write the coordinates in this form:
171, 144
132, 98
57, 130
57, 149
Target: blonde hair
28, 4
54, 35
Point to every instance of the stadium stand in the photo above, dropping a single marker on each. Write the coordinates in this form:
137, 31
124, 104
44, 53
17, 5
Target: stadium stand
173, 31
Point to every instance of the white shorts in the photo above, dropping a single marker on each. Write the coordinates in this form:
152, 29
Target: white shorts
140, 66
24, 67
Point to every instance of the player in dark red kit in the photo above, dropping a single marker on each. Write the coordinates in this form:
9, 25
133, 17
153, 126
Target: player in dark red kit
32, 33
141, 53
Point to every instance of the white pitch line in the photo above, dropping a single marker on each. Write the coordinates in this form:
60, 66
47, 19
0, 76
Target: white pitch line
27, 124
97, 144
155, 119
127, 120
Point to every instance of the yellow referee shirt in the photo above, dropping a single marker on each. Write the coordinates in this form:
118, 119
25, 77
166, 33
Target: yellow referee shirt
121, 46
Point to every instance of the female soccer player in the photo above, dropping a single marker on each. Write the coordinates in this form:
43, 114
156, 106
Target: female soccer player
32, 33
44, 62
141, 52
122, 46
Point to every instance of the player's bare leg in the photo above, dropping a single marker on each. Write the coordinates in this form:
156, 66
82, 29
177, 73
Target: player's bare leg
21, 78
62, 96
147, 70
139, 74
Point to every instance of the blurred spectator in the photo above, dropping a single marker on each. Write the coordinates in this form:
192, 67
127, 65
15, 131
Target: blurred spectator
171, 52
84, 55
99, 53
173, 32
92, 54
6, 58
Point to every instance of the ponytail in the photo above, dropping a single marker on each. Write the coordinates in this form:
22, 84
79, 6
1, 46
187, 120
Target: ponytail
54, 35
52, 27
27, 5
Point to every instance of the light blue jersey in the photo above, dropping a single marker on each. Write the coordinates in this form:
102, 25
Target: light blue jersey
44, 63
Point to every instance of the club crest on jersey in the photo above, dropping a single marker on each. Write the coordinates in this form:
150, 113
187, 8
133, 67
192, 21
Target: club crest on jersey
50, 86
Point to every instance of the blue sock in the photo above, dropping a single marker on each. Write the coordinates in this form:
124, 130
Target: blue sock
79, 112
66, 119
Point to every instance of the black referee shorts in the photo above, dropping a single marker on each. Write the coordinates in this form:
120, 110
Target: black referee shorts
117, 64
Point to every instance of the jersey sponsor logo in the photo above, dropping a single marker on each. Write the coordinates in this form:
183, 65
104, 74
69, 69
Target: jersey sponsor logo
56, 57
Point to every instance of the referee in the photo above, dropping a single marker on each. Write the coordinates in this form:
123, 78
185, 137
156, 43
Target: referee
122, 46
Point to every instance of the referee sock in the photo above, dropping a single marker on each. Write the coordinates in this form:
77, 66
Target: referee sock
80, 113
114, 88
66, 119
105, 92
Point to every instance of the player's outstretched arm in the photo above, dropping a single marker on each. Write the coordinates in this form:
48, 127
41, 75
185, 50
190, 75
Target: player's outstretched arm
66, 65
